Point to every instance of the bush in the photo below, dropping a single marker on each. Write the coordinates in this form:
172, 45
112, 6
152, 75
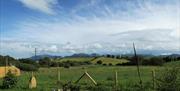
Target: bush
110, 78
27, 67
74, 87
119, 64
54, 64
66, 66
10, 60
87, 62
99, 88
110, 64
29, 61
134, 86
125, 64
99, 62
144, 61
169, 80
9, 81
153, 61
104, 64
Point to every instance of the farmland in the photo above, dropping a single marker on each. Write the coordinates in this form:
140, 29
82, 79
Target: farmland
79, 59
127, 77
93, 60
47, 77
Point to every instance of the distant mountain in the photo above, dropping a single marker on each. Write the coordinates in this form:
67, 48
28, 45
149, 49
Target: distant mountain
174, 55
42, 56
96, 55
73, 55
83, 55
171, 55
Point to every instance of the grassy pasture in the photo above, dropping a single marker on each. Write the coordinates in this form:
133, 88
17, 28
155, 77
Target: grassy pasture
47, 77
93, 60
78, 59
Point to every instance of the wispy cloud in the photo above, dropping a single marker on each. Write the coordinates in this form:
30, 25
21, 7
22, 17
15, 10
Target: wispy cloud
45, 6
103, 27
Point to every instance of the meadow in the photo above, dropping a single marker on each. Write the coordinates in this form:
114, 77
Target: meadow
47, 77
93, 60
104, 75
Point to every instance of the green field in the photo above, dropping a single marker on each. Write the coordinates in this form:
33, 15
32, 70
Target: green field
47, 77
94, 60
127, 75
78, 59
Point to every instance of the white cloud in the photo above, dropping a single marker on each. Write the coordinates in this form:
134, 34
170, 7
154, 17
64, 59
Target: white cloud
45, 6
151, 27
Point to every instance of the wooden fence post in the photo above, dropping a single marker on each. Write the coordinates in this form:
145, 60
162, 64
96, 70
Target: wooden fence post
153, 78
59, 74
116, 78
116, 81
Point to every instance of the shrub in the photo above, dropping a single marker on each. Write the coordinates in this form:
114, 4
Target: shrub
9, 81
61, 64
144, 61
99, 62
169, 80
54, 64
27, 67
74, 87
110, 64
153, 61
45, 62
71, 86
99, 88
110, 78
66, 66
10, 60
104, 64
87, 62
29, 61
134, 86
118, 64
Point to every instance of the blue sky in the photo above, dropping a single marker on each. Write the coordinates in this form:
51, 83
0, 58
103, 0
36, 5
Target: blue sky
64, 27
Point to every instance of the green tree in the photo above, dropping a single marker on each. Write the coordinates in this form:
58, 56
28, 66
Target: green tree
46, 61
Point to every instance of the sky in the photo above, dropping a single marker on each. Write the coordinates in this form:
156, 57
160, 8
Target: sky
65, 27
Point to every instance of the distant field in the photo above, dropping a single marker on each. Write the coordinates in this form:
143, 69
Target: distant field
47, 77
93, 60
78, 59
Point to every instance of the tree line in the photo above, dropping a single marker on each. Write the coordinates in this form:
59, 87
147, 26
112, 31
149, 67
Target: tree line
27, 64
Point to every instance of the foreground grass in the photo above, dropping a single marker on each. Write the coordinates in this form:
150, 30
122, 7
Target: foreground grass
47, 77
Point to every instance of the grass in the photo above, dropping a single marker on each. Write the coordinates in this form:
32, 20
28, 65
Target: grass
47, 77
93, 60
173, 64
78, 59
